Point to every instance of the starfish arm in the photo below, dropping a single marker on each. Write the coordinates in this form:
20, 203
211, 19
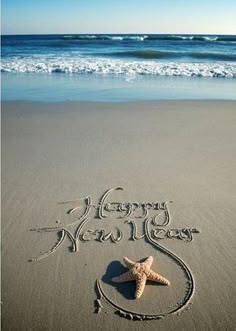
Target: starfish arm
126, 277
128, 262
140, 285
148, 261
155, 277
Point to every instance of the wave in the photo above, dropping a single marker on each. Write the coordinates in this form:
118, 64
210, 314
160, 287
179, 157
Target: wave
203, 38
142, 54
153, 54
213, 56
106, 37
227, 38
206, 38
91, 65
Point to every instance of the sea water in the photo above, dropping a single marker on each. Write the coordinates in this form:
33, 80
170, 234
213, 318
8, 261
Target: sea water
118, 67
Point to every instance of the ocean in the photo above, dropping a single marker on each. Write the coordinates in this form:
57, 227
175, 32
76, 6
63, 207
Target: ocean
118, 67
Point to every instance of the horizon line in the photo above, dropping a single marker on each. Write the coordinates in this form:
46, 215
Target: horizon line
113, 33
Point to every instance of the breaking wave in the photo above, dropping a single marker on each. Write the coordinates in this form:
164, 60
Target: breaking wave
106, 37
153, 54
206, 38
92, 65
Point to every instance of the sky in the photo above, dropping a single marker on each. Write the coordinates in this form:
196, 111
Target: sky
118, 16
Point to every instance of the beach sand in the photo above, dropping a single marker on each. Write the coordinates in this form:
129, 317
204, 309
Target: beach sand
183, 151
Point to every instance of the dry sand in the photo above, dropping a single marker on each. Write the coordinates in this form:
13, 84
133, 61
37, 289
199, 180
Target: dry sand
156, 151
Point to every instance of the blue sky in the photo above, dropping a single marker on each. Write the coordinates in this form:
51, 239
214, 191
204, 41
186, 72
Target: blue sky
118, 16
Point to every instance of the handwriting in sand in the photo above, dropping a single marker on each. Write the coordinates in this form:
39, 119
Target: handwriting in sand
84, 211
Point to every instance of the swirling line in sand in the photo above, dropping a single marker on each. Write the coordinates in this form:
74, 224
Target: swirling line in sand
140, 316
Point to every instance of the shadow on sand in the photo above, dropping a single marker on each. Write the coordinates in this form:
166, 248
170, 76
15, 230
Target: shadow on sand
114, 269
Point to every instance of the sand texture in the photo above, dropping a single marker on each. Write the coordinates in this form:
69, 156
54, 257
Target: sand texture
85, 184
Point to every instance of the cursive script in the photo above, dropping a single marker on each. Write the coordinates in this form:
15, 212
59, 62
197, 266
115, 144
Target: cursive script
130, 212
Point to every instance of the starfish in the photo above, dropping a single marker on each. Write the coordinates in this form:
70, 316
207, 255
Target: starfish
140, 272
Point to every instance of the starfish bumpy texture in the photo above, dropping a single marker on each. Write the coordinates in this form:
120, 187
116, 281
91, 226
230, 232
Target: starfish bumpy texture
140, 272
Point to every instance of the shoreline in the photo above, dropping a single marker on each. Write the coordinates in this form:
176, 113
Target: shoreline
101, 88
117, 103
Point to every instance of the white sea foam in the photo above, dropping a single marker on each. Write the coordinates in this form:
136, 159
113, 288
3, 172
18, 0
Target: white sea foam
210, 38
106, 37
182, 37
136, 38
116, 38
92, 65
